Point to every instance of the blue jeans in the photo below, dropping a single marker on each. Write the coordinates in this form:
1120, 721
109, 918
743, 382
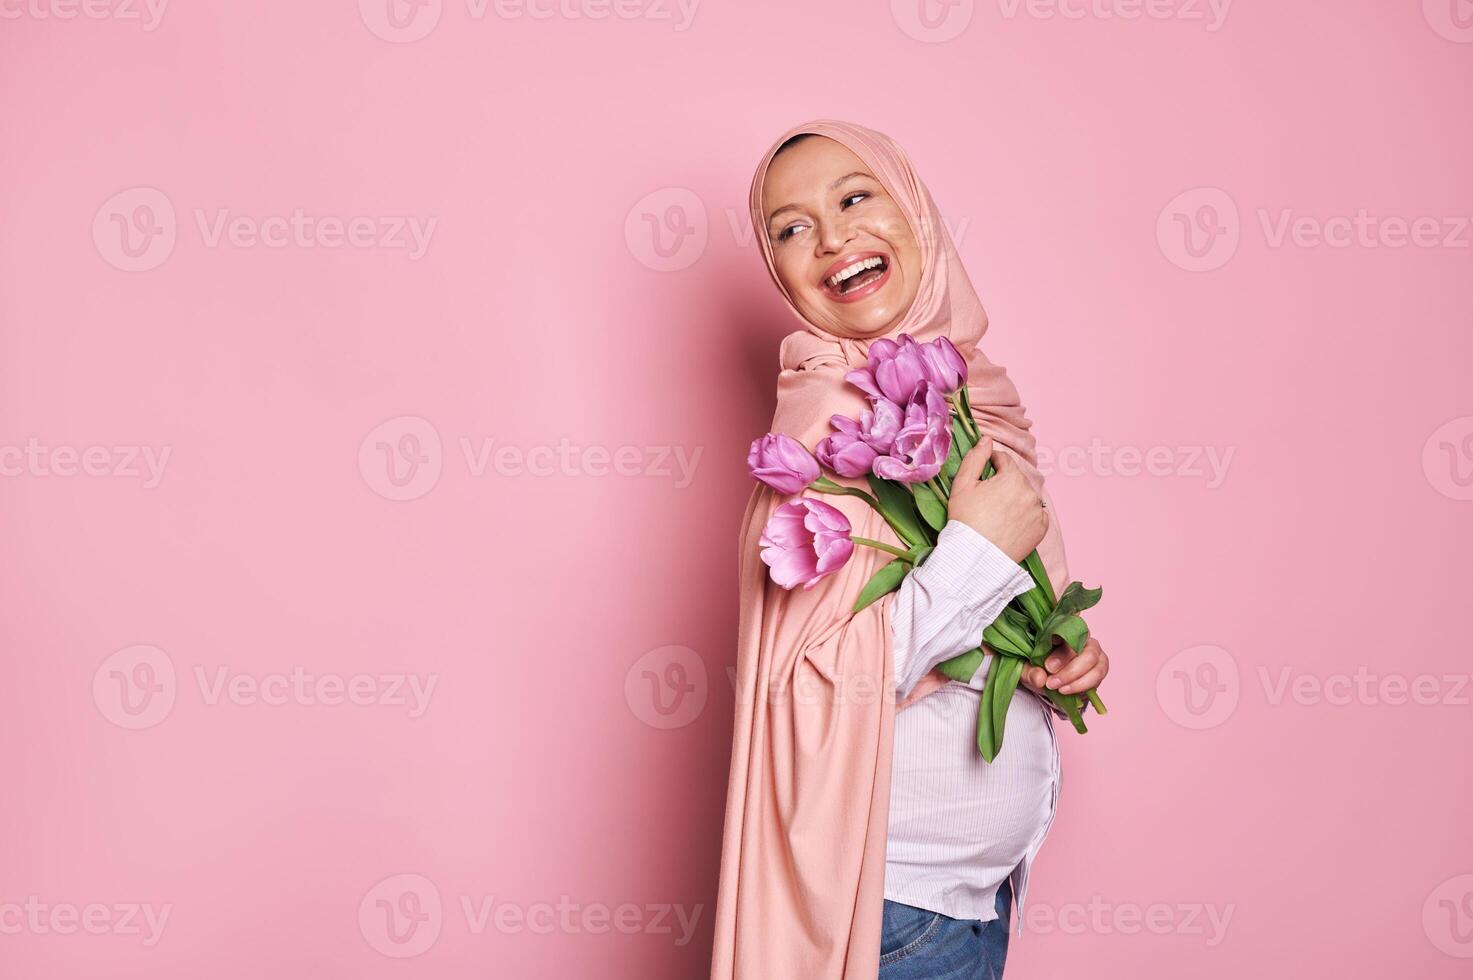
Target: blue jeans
918, 944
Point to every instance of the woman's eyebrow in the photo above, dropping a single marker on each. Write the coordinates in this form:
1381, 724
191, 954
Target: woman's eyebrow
836, 183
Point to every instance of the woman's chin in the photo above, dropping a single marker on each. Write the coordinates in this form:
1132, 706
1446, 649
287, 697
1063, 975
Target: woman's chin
864, 319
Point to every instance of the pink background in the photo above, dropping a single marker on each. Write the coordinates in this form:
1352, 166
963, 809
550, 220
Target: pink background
1070, 154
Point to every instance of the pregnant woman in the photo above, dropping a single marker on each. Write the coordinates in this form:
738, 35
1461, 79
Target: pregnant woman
865, 835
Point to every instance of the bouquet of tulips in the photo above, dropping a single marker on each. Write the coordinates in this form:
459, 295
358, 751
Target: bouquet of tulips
908, 447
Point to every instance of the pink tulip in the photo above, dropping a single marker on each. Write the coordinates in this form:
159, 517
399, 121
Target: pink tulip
924, 441
893, 370
804, 540
852, 448
945, 366
881, 424
781, 462
845, 451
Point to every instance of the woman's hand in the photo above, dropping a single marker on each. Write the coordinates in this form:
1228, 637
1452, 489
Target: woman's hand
1069, 672
1005, 509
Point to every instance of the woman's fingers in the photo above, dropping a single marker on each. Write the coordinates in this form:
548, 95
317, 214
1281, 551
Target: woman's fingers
1087, 682
1034, 677
1069, 672
1082, 671
970, 471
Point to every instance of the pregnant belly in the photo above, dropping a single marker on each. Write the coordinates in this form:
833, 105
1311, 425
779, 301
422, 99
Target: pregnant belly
947, 802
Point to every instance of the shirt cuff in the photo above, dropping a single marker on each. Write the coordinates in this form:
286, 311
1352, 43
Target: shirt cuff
969, 566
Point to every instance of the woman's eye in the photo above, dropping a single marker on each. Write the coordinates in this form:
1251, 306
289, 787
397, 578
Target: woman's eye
844, 201
788, 232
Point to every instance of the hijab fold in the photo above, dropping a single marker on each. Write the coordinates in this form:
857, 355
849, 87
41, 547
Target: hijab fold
807, 808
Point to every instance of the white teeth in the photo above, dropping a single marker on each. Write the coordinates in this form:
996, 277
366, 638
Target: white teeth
854, 270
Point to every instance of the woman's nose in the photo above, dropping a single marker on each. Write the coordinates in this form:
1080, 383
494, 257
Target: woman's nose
834, 235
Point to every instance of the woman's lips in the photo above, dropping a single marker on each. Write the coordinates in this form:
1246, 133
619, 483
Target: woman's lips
869, 288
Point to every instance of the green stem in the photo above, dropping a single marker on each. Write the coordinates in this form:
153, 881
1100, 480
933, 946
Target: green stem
935, 485
828, 486
1095, 702
881, 545
967, 419
1069, 704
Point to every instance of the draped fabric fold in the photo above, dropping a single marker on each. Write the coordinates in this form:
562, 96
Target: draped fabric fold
803, 849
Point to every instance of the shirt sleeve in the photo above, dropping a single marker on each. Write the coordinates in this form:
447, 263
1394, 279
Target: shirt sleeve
942, 607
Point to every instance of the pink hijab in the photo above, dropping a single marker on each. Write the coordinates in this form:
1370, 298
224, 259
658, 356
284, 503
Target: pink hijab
808, 796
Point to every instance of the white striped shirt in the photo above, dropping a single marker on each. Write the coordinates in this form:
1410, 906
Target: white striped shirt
959, 825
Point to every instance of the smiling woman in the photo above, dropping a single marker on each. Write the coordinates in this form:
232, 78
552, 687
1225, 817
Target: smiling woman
838, 241
865, 835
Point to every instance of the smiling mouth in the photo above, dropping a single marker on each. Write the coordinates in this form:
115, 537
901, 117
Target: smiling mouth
856, 275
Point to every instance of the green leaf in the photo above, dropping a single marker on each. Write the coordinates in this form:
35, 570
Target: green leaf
1010, 671
1003, 638
963, 666
932, 509
899, 508
1034, 564
1018, 620
1036, 605
1070, 628
954, 454
883, 582
1009, 635
1076, 599
987, 738
961, 441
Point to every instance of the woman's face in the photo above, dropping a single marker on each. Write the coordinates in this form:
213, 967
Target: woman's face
840, 243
